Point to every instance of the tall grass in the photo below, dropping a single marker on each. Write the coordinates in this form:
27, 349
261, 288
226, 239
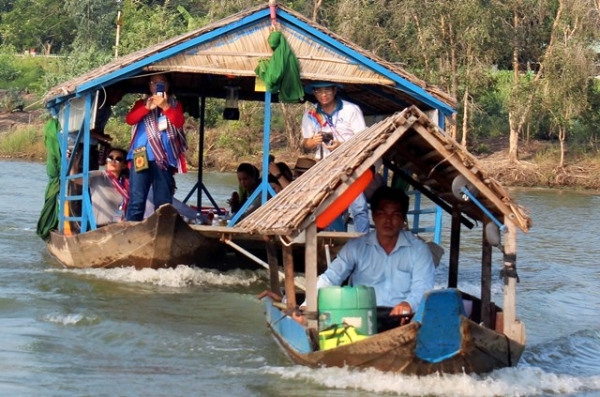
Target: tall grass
25, 142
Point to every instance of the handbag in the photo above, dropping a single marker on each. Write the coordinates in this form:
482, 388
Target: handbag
140, 159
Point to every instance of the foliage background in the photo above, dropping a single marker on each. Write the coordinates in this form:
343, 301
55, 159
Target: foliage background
520, 67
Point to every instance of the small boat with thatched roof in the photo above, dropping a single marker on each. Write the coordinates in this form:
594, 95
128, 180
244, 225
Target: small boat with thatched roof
206, 63
442, 336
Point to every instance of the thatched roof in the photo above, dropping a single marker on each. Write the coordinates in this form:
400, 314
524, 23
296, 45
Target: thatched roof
406, 141
204, 61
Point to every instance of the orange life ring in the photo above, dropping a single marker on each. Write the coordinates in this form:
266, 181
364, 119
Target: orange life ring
341, 203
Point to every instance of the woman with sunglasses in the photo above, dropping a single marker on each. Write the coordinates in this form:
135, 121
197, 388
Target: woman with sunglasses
109, 189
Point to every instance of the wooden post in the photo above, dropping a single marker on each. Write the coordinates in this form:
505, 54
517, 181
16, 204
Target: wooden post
512, 327
486, 280
118, 35
310, 271
288, 269
273, 266
454, 248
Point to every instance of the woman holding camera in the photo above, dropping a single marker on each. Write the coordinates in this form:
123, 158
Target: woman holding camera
328, 124
157, 147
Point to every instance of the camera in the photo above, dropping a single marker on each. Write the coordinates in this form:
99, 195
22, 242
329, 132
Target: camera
327, 137
160, 89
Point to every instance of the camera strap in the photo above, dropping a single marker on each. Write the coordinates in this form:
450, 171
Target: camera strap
331, 125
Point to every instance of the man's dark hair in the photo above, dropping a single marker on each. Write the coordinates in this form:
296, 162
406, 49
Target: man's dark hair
390, 194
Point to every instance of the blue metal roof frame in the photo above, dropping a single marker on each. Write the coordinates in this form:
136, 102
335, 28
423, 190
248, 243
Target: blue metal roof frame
259, 16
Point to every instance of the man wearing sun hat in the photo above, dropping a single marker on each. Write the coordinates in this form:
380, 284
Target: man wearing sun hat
303, 164
328, 124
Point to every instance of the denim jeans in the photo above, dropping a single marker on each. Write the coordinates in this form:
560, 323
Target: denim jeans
359, 210
162, 183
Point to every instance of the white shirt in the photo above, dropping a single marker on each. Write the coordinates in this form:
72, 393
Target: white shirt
343, 123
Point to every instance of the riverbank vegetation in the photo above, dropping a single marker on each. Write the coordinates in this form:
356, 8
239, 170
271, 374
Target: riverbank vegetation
523, 73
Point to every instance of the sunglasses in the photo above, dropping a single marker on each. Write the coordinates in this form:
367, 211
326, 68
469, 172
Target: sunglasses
115, 159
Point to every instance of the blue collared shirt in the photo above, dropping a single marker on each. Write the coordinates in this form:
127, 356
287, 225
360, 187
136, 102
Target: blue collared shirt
403, 275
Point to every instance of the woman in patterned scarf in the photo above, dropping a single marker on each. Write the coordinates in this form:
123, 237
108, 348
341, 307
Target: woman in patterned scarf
157, 147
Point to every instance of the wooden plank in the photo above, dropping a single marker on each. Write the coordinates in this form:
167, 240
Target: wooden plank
288, 270
163, 235
486, 280
454, 248
273, 262
310, 271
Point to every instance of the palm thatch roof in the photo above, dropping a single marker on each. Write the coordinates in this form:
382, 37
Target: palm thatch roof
407, 141
202, 62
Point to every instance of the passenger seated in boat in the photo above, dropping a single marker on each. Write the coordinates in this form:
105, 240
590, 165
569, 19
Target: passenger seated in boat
302, 165
248, 179
397, 264
109, 189
282, 173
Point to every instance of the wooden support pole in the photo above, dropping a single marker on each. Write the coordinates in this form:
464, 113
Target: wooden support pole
486, 281
512, 327
310, 271
288, 270
273, 262
454, 247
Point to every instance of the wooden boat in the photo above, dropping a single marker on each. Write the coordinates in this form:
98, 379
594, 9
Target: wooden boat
447, 341
201, 64
162, 240
442, 336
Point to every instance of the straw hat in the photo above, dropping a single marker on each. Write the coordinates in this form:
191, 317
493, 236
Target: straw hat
304, 163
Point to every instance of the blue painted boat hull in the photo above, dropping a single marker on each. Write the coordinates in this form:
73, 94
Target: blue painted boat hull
438, 339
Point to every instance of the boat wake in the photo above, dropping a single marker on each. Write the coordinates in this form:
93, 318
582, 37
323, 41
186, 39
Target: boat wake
574, 354
566, 366
72, 319
518, 381
178, 277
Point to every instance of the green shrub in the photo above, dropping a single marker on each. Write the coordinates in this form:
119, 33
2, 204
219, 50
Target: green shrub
11, 100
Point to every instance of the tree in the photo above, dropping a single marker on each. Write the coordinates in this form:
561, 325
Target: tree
523, 19
95, 20
40, 24
144, 26
568, 65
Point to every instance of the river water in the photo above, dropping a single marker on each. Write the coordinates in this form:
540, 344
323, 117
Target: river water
191, 332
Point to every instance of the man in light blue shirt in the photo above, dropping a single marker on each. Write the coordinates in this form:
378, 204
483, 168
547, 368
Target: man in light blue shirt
398, 265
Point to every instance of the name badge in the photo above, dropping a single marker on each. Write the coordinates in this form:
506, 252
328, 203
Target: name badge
162, 123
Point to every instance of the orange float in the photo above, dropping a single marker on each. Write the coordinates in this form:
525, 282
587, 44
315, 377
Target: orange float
341, 203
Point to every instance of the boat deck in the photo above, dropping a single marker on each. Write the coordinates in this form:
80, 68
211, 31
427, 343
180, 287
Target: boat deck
219, 232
